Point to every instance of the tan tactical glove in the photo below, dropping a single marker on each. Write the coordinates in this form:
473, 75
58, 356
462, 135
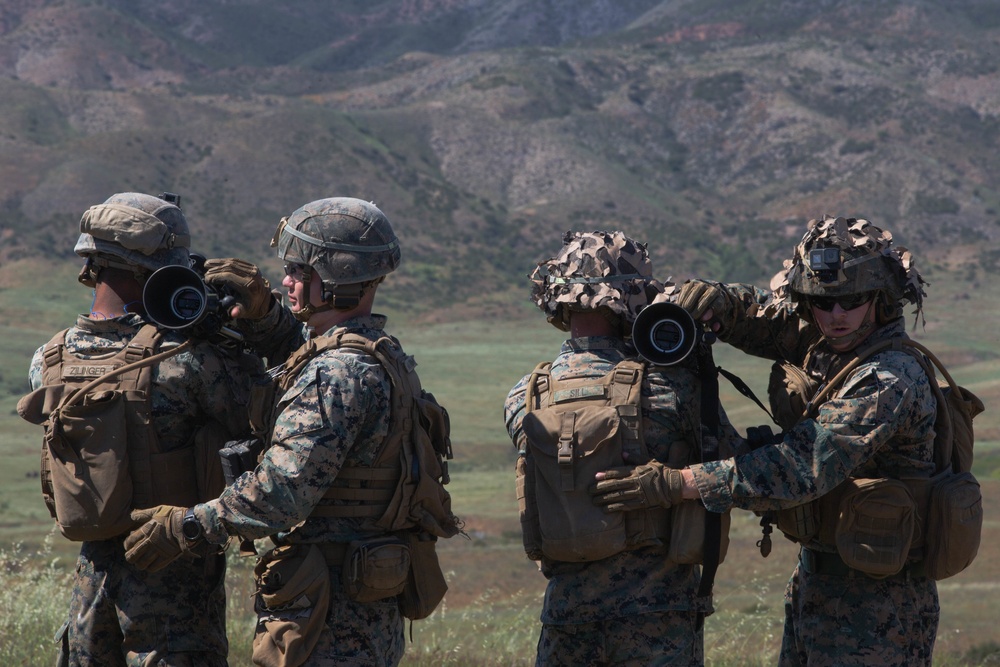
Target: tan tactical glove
698, 297
160, 540
642, 487
243, 280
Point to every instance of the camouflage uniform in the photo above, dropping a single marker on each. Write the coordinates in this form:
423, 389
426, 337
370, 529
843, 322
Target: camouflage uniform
635, 607
582, 599
878, 423
120, 615
336, 413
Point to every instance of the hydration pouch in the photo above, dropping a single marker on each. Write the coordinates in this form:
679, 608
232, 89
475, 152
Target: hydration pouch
87, 444
876, 525
293, 598
375, 569
567, 450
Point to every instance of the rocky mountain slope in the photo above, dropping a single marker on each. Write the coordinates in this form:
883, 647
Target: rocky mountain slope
486, 128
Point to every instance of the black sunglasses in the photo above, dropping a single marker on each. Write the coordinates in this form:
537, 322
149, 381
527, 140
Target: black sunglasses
846, 302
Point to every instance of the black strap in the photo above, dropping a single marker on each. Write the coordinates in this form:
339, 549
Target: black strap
744, 389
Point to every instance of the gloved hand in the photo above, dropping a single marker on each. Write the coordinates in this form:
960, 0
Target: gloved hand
699, 296
158, 541
245, 281
649, 485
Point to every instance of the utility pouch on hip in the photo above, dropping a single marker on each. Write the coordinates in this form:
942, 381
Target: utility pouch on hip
425, 586
876, 525
799, 523
293, 597
375, 569
687, 534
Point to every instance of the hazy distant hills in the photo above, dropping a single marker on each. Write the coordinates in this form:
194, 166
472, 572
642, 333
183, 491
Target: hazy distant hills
485, 128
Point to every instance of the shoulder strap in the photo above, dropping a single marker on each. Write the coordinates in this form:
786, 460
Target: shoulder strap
538, 381
139, 360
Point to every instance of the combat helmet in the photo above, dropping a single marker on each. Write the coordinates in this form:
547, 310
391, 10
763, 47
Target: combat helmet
844, 256
600, 271
347, 242
132, 231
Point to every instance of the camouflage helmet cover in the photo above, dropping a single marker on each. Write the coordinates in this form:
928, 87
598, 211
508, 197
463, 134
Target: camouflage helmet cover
863, 259
345, 240
593, 271
137, 229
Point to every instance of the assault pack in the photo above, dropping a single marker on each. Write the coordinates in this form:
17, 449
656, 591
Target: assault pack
575, 428
100, 455
878, 525
402, 494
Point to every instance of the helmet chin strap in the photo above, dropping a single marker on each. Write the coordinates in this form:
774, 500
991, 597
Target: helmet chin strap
343, 299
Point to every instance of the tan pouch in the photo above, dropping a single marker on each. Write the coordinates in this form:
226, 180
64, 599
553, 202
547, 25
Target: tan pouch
789, 389
687, 534
876, 525
799, 523
568, 449
954, 524
527, 505
88, 465
375, 569
425, 585
293, 597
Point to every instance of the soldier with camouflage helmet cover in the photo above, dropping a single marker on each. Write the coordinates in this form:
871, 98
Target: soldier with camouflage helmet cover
198, 398
319, 479
842, 292
612, 598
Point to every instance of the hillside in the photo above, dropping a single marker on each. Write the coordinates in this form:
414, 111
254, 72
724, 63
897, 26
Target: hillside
712, 129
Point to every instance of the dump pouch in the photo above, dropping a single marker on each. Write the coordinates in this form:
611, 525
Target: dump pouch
292, 600
425, 586
687, 534
954, 524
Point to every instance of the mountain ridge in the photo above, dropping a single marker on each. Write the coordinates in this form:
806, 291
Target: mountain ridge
712, 130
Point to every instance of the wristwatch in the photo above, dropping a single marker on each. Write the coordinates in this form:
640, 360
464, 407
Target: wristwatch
191, 527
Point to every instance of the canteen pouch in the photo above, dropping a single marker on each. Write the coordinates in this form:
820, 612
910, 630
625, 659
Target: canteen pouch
88, 466
687, 534
876, 525
425, 586
954, 524
292, 600
567, 450
375, 569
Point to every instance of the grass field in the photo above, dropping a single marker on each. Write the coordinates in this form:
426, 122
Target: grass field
489, 616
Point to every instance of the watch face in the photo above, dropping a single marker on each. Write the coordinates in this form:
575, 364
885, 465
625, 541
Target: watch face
191, 528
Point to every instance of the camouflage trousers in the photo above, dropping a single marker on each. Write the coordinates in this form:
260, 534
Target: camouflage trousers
123, 617
854, 621
357, 635
649, 640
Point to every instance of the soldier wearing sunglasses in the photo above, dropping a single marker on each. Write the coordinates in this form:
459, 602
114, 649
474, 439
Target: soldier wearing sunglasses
842, 291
